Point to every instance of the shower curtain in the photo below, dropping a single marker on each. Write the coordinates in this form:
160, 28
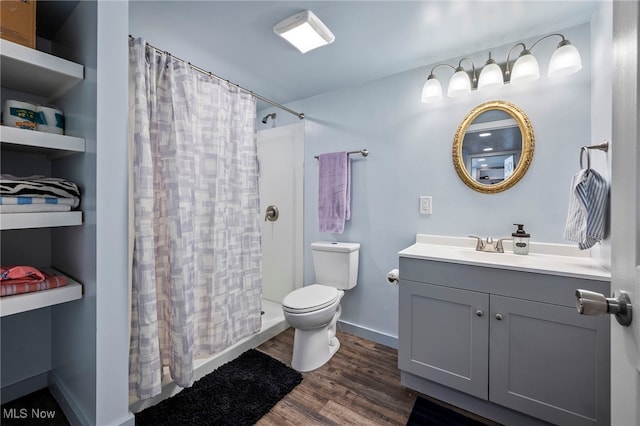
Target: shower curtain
196, 272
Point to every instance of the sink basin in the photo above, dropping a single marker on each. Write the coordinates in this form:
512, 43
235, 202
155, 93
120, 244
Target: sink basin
554, 259
484, 256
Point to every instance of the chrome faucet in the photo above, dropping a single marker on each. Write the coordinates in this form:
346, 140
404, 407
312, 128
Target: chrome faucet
489, 245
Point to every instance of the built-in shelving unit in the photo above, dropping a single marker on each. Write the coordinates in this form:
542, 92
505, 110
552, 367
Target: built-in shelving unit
44, 75
17, 303
17, 139
39, 220
31, 71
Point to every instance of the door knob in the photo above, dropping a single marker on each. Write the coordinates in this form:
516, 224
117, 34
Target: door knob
592, 303
271, 214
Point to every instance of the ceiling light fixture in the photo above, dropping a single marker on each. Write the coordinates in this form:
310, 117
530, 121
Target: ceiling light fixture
484, 135
305, 31
564, 61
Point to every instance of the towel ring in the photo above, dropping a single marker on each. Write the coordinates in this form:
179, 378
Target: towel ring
582, 151
604, 146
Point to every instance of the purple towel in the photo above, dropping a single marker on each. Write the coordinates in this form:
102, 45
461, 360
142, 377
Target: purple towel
334, 191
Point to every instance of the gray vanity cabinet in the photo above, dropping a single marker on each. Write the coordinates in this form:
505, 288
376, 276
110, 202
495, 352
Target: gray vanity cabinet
513, 339
445, 336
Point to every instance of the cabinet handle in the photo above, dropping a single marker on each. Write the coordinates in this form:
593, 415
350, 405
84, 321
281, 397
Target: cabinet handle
479, 313
499, 317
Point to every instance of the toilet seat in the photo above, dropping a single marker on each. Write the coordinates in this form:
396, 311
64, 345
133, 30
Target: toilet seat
310, 298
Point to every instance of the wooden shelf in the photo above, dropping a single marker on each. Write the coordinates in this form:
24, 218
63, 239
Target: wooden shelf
17, 303
31, 71
39, 220
16, 139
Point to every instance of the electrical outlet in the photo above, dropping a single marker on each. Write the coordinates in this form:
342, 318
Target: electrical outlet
425, 204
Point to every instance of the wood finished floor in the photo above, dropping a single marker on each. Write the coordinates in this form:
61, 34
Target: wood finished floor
360, 385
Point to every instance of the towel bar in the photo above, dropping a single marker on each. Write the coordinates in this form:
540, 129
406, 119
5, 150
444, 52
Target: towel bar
364, 153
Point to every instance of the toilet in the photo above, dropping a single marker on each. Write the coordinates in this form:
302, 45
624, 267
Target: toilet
314, 310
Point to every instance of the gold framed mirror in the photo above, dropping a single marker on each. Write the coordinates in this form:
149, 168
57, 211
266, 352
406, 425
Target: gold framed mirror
493, 147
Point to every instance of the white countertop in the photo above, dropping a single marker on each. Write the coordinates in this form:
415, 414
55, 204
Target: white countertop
553, 259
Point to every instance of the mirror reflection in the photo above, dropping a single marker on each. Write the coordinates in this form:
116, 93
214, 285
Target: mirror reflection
493, 146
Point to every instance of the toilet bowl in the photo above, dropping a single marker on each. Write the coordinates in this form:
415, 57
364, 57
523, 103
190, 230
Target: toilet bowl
313, 311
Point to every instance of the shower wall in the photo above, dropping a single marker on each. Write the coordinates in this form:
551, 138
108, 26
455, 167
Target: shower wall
280, 154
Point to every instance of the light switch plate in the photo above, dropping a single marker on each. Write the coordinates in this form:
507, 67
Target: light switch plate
425, 204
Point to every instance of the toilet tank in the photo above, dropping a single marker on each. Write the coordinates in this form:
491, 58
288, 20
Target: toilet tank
336, 264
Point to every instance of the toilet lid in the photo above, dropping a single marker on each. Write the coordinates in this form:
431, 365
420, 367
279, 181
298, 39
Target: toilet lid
310, 298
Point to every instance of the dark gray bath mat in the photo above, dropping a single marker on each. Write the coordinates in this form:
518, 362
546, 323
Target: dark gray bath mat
426, 412
237, 393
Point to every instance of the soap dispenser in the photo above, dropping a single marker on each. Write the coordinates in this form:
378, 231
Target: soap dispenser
520, 240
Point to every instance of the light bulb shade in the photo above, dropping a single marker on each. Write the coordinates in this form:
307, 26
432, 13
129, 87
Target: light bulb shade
305, 31
490, 77
459, 85
431, 91
525, 69
564, 61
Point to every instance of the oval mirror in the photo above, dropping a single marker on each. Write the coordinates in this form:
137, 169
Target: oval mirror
493, 146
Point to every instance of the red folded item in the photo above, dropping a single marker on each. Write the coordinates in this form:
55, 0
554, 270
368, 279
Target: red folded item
27, 279
20, 275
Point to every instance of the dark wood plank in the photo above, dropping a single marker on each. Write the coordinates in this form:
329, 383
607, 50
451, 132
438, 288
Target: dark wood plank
360, 385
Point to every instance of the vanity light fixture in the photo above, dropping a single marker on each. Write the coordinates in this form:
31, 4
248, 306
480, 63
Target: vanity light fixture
305, 31
491, 76
460, 83
564, 61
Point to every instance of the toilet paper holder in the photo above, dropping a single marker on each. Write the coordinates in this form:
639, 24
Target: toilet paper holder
592, 303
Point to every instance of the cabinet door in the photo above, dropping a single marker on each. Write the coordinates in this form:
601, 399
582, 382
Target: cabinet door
550, 362
443, 335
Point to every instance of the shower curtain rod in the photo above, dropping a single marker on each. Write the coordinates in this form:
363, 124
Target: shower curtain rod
300, 115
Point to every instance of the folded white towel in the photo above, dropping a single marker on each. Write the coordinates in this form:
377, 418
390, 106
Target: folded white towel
33, 208
586, 218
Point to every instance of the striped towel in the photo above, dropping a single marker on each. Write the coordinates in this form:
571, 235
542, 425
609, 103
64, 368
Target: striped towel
33, 208
26, 279
37, 186
586, 218
8, 288
13, 200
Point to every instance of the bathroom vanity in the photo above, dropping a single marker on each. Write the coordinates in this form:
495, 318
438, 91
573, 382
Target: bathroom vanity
498, 334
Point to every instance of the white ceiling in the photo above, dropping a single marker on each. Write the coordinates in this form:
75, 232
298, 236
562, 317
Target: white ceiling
235, 39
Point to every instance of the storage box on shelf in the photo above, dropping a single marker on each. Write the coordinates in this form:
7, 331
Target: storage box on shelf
43, 75
18, 21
